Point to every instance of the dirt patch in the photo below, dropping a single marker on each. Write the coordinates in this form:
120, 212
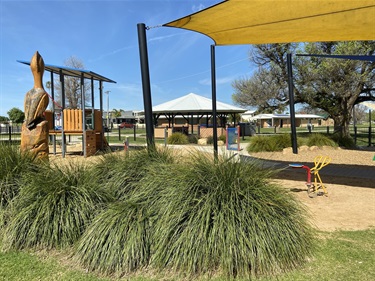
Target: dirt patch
348, 206
307, 154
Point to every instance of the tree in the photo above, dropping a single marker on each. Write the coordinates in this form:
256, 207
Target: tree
332, 85
117, 113
72, 86
4, 119
16, 115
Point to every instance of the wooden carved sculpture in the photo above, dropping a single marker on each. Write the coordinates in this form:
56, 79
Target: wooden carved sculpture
34, 137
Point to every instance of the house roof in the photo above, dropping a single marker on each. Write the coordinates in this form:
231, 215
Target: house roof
285, 116
370, 105
193, 103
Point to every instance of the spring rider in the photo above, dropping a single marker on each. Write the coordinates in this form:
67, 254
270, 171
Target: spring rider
317, 187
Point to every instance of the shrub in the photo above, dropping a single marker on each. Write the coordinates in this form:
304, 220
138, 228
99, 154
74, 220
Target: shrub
118, 241
126, 171
281, 141
210, 140
260, 143
224, 218
346, 142
178, 138
319, 140
222, 138
53, 208
13, 164
270, 143
193, 139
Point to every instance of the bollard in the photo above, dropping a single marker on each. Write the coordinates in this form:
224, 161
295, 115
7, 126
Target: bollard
165, 136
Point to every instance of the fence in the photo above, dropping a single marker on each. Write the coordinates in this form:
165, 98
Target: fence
362, 136
10, 133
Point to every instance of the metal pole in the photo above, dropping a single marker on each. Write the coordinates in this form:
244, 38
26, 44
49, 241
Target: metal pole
369, 128
101, 112
53, 113
62, 117
107, 92
142, 41
213, 84
291, 105
84, 139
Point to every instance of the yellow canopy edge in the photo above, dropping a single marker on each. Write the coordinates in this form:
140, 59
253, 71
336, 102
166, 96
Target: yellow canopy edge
235, 22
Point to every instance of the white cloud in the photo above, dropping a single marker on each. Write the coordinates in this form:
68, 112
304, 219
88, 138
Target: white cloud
219, 81
197, 8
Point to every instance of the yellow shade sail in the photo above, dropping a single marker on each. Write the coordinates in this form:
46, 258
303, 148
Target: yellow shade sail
280, 21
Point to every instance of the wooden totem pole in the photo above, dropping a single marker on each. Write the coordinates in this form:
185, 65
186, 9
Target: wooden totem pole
34, 136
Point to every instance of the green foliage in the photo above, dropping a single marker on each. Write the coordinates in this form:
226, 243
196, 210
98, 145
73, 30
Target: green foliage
328, 84
269, 143
225, 217
210, 140
121, 174
178, 138
54, 207
320, 140
13, 164
193, 139
343, 141
16, 115
222, 138
4, 119
118, 241
196, 218
350, 253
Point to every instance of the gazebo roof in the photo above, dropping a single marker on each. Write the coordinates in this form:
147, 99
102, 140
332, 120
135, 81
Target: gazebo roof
74, 72
193, 103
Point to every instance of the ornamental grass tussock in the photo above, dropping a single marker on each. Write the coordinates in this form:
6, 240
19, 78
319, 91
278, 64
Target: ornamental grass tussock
199, 217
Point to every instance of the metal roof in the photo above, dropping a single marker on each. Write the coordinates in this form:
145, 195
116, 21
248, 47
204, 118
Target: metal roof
193, 103
74, 72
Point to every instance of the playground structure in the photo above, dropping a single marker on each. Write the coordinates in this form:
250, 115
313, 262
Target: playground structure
317, 187
92, 137
85, 121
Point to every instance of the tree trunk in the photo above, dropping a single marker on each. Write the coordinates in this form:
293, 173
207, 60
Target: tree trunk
341, 125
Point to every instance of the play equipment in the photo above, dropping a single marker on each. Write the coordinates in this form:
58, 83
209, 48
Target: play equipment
317, 187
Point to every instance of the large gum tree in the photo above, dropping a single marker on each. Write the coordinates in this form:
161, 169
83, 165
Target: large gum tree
332, 85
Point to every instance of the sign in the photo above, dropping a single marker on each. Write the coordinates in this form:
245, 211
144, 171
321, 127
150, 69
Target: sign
233, 138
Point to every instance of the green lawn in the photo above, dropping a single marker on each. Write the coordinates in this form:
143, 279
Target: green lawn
342, 255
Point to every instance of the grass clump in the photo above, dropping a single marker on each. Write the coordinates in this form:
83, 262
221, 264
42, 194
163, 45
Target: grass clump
178, 138
53, 208
121, 174
118, 241
344, 141
271, 143
319, 140
193, 139
225, 218
13, 164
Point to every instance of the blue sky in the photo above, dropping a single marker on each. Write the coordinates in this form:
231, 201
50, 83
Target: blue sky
103, 34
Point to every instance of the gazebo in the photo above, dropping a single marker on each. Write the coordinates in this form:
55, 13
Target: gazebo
192, 114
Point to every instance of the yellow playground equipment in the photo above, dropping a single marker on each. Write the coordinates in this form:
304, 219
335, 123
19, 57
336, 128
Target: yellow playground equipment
314, 189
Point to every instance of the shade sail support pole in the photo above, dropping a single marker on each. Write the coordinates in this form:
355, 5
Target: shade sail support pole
213, 84
142, 41
291, 104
